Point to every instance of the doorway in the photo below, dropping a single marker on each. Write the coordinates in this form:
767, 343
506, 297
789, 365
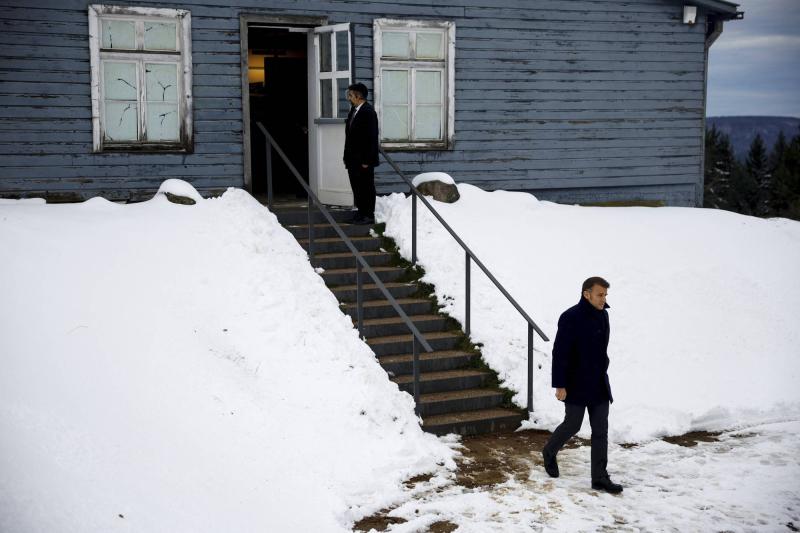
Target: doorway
295, 71
277, 77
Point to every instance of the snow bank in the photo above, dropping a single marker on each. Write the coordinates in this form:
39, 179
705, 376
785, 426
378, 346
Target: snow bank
184, 369
703, 302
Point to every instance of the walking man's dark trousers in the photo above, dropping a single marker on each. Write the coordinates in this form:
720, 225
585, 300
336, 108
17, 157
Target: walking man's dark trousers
580, 364
360, 149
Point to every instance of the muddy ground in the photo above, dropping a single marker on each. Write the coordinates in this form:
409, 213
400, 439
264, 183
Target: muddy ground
489, 460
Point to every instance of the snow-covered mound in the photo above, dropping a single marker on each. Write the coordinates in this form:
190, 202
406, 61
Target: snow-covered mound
425, 177
703, 302
182, 368
179, 188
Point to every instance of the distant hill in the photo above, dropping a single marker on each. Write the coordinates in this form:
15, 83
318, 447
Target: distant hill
742, 130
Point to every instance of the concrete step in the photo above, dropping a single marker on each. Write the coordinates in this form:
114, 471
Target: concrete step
454, 396
370, 291
383, 309
474, 422
400, 344
348, 260
439, 403
328, 245
300, 231
449, 380
383, 327
437, 361
294, 216
347, 276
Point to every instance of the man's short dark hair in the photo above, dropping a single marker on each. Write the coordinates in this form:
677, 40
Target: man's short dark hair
359, 88
594, 280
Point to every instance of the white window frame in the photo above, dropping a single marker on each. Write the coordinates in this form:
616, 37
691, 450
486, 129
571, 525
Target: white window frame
446, 66
182, 56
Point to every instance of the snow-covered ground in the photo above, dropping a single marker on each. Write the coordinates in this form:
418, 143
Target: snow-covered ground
704, 337
182, 368
703, 303
747, 481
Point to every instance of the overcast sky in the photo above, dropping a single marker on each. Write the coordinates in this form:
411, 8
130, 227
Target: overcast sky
754, 67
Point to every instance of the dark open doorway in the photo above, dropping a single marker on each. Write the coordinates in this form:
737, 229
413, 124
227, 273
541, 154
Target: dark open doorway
278, 80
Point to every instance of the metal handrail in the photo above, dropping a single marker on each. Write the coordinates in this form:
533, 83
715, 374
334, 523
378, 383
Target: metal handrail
469, 257
361, 263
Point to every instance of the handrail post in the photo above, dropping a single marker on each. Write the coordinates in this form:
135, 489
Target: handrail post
310, 231
269, 173
413, 228
415, 365
359, 300
467, 268
530, 368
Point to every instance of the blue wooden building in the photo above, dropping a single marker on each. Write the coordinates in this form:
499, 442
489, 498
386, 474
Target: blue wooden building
573, 100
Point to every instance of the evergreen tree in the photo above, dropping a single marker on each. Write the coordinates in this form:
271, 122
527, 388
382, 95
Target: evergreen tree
786, 178
719, 166
743, 191
757, 167
778, 152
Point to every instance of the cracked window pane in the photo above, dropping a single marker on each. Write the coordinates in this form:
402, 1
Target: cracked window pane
119, 80
162, 122
118, 34
161, 82
160, 36
121, 121
161, 93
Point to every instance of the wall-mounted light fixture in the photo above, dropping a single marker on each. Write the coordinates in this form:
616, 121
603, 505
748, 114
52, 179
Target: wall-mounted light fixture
689, 14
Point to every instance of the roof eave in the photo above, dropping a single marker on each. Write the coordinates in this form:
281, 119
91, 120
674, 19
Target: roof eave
723, 9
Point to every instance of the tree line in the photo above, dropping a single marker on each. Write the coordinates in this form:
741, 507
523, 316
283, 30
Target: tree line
767, 184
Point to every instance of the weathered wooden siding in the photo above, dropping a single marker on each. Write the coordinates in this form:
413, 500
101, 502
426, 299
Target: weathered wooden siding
576, 100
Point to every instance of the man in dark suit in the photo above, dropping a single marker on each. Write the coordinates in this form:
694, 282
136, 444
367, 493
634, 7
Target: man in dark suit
361, 152
580, 365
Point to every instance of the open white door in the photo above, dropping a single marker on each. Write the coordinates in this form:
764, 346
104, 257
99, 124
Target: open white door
330, 73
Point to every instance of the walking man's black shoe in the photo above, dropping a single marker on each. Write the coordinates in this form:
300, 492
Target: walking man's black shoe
607, 485
550, 464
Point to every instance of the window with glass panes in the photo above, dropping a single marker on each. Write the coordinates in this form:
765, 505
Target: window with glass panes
334, 72
414, 82
141, 78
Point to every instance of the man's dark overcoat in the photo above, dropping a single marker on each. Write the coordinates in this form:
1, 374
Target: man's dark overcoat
580, 354
361, 138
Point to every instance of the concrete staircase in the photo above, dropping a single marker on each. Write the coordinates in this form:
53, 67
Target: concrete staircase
458, 393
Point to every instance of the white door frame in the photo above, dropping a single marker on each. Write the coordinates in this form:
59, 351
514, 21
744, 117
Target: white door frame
280, 21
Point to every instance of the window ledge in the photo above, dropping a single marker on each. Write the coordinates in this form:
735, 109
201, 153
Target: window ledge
145, 148
415, 146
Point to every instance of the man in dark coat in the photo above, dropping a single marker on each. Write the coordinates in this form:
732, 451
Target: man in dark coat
580, 364
361, 152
